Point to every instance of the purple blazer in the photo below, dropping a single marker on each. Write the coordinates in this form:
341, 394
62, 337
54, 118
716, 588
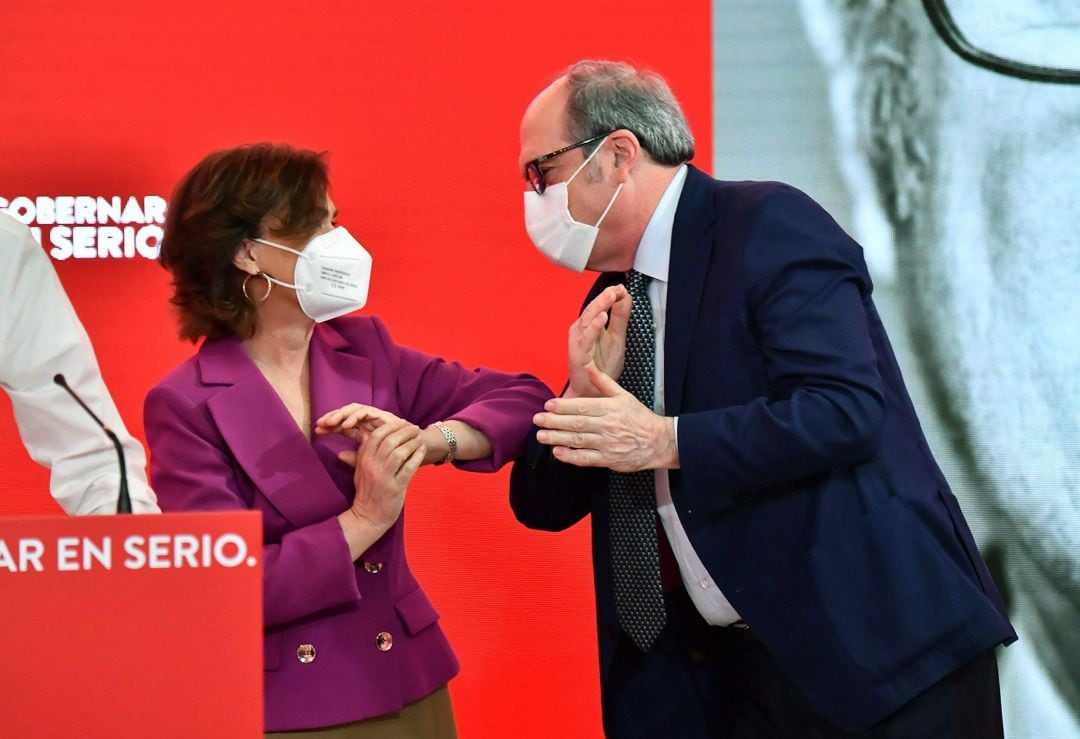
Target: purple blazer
221, 439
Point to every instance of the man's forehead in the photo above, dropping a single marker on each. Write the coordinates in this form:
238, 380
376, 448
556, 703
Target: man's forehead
543, 127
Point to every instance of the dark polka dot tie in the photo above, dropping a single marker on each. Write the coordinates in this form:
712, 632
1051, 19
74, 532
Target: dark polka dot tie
635, 558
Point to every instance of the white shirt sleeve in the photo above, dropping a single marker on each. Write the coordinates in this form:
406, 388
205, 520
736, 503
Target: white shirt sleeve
41, 336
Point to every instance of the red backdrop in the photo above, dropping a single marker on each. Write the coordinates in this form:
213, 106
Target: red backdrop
418, 104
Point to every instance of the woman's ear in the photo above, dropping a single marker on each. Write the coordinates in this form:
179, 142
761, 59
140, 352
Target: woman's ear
244, 259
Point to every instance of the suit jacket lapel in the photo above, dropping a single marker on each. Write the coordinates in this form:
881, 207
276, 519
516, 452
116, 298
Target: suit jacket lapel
265, 439
691, 248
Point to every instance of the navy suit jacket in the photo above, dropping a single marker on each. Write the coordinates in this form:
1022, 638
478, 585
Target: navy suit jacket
806, 484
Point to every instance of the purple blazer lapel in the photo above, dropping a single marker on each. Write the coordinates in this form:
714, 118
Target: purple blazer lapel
265, 439
338, 377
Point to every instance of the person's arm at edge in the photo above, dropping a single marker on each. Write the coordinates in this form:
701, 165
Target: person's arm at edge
42, 336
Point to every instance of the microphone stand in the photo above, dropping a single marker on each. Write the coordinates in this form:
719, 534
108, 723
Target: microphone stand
123, 503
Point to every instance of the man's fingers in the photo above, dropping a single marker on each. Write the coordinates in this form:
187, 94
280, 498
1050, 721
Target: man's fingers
583, 341
607, 386
557, 422
579, 457
620, 315
348, 458
600, 304
574, 439
613, 300
576, 407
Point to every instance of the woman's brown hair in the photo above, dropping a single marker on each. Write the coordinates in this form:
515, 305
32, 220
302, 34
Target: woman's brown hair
230, 196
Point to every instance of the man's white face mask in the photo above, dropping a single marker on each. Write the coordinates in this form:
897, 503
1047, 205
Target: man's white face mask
332, 274
554, 231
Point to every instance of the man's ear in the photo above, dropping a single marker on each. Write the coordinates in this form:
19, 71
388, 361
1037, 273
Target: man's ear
627, 150
244, 260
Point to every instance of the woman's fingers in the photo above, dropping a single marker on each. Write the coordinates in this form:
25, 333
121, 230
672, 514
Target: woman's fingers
398, 445
412, 464
373, 443
380, 443
352, 416
404, 454
334, 417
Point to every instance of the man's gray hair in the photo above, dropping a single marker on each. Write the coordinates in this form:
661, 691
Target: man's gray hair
606, 96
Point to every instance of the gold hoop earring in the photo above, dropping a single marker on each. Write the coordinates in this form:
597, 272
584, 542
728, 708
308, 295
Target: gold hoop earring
269, 287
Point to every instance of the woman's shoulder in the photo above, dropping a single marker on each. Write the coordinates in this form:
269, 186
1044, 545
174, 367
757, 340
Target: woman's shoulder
175, 390
182, 375
193, 376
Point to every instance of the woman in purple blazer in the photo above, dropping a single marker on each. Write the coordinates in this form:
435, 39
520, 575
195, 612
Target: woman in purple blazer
318, 421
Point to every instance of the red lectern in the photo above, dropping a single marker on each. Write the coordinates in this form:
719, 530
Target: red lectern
131, 626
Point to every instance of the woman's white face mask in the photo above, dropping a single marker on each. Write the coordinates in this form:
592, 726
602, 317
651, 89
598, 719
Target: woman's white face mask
332, 274
554, 231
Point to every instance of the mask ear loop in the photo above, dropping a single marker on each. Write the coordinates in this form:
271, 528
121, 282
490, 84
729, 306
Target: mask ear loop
587, 160
269, 287
610, 203
267, 277
617, 189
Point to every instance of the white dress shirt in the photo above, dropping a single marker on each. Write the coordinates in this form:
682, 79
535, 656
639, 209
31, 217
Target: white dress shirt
652, 258
40, 336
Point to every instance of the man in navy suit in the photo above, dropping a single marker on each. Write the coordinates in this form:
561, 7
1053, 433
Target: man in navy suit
776, 552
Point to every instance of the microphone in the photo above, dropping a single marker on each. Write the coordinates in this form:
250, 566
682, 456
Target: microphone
123, 504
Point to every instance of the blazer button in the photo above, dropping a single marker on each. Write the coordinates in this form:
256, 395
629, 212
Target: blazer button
373, 567
305, 653
384, 641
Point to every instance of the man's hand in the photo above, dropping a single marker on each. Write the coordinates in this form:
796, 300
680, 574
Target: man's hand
614, 430
596, 339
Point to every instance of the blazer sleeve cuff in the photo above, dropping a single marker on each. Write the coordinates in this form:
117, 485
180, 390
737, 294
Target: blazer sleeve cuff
311, 569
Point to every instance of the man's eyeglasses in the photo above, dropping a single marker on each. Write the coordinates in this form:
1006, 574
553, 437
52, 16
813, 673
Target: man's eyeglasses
535, 175
1030, 39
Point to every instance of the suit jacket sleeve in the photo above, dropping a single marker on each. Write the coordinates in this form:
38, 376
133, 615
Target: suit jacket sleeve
547, 494
806, 292
498, 404
309, 570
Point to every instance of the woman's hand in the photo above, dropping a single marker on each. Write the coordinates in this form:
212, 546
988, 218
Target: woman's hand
358, 422
353, 420
385, 464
